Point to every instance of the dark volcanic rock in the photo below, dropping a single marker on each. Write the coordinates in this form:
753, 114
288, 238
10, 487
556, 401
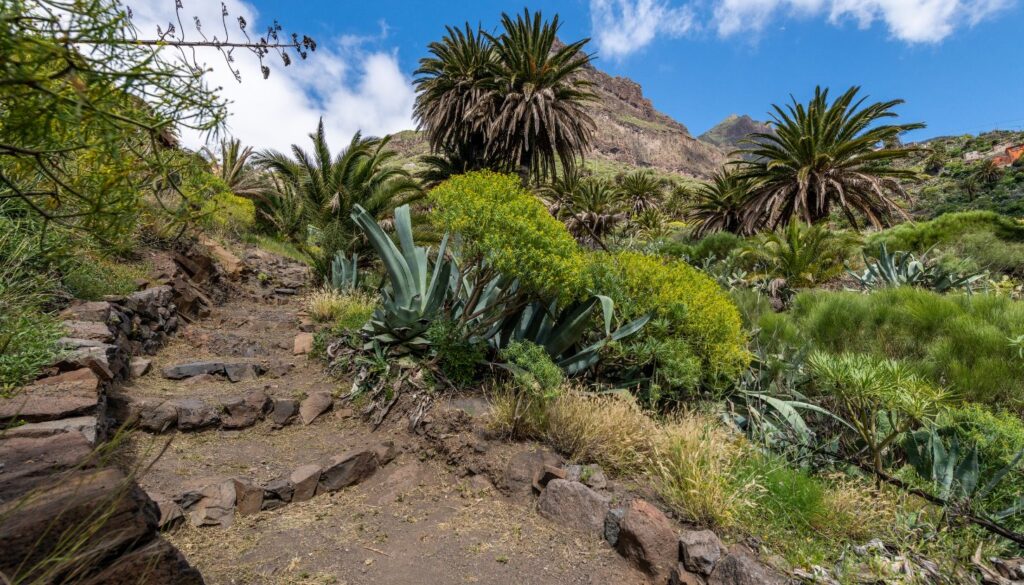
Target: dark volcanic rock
182, 371
194, 414
63, 396
346, 470
700, 550
648, 539
741, 567
285, 409
574, 505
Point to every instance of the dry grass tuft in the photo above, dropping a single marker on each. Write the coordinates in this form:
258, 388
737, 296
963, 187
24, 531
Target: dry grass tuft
692, 468
611, 430
326, 305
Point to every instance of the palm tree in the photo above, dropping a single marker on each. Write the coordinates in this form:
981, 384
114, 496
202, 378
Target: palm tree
803, 255
596, 207
231, 166
455, 94
512, 101
718, 206
643, 189
824, 154
330, 186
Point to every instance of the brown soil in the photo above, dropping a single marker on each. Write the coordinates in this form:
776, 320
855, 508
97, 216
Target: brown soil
419, 520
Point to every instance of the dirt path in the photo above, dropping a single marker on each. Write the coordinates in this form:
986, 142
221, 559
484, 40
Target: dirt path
418, 520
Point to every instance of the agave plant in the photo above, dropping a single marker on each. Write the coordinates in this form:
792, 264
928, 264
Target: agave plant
345, 272
955, 474
418, 287
562, 333
904, 269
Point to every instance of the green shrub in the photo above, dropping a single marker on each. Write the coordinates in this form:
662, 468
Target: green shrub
92, 277
456, 357
687, 306
712, 248
229, 213
986, 239
532, 367
509, 231
803, 255
28, 343
960, 342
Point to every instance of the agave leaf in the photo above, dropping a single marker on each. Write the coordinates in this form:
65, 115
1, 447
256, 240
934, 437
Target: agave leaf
1012, 510
967, 473
999, 475
570, 326
395, 264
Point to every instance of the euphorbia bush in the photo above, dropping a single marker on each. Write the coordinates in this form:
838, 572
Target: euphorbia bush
504, 229
695, 334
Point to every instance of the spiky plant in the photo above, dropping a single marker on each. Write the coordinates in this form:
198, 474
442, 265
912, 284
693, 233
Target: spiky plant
508, 101
718, 206
804, 255
455, 93
644, 191
596, 208
541, 116
827, 154
231, 165
331, 186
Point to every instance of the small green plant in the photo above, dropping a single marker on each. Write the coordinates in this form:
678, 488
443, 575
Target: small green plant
457, 358
905, 269
28, 343
537, 383
879, 400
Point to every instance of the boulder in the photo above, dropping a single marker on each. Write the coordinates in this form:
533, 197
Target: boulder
105, 360
156, 563
157, 418
194, 414
611, 525
277, 493
29, 461
98, 311
314, 405
140, 366
524, 466
215, 506
92, 330
239, 372
182, 371
385, 452
35, 527
171, 513
285, 409
572, 504
648, 539
305, 480
700, 550
67, 395
741, 567
248, 497
303, 343
86, 425
347, 470
244, 411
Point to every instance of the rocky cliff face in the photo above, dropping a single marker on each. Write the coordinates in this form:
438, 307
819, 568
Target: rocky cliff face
630, 131
728, 134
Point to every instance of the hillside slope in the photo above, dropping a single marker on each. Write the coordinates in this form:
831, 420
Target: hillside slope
630, 133
729, 134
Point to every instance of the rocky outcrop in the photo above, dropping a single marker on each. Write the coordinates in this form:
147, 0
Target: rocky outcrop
630, 132
53, 492
729, 134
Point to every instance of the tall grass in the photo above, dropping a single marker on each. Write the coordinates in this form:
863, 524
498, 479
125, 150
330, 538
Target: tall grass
957, 341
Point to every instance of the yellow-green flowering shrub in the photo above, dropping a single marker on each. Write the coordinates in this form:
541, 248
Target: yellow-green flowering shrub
510, 230
687, 305
229, 212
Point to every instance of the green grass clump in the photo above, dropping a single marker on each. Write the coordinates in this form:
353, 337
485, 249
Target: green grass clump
532, 366
457, 357
92, 278
281, 248
979, 239
28, 343
960, 342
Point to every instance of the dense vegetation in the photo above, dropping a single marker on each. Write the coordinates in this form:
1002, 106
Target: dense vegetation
741, 346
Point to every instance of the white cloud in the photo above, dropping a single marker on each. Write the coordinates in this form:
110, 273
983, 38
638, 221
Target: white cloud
911, 21
622, 27
352, 88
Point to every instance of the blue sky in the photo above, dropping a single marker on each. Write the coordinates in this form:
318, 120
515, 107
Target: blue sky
959, 64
